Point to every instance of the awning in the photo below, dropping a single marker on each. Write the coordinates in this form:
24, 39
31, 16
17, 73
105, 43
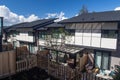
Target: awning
66, 49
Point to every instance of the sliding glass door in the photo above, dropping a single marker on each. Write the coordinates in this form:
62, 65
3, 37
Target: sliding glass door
98, 59
102, 59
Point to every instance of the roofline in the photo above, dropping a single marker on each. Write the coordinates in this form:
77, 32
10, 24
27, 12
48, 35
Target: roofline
87, 22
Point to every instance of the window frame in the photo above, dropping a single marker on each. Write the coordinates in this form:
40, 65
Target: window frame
42, 35
106, 34
102, 55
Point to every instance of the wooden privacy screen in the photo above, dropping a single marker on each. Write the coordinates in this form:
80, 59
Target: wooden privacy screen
7, 63
42, 59
7, 47
22, 50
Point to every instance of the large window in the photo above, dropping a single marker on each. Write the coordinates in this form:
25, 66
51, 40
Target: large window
109, 33
42, 35
70, 32
56, 35
102, 59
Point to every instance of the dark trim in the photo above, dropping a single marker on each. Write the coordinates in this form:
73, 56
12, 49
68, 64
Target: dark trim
101, 37
1, 34
90, 47
118, 38
91, 34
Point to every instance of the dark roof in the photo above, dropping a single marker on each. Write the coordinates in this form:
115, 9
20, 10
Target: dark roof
33, 24
55, 25
107, 16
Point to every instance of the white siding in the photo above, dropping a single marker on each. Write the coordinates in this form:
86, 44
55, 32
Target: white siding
89, 34
24, 37
78, 37
108, 43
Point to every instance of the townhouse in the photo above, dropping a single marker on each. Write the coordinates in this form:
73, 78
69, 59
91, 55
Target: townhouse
99, 34
95, 34
25, 34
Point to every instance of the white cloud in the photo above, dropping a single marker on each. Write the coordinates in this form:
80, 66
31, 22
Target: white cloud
60, 16
117, 8
13, 18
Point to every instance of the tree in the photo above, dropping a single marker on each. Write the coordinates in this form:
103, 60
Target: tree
84, 10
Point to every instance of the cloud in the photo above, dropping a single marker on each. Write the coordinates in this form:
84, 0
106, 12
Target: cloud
13, 18
117, 8
60, 16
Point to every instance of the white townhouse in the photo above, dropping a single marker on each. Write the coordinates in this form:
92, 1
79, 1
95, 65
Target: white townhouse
25, 34
99, 34
96, 34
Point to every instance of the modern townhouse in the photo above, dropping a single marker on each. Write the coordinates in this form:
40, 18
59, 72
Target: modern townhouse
90, 40
99, 34
25, 34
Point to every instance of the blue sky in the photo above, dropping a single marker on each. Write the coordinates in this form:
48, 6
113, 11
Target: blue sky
70, 8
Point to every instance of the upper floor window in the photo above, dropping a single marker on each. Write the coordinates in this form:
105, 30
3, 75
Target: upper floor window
30, 33
42, 35
56, 35
70, 32
15, 33
109, 33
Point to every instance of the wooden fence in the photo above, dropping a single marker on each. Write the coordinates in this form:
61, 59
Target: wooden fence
7, 47
26, 63
63, 72
42, 59
7, 63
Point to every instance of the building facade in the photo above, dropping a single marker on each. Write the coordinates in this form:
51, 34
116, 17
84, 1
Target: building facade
97, 34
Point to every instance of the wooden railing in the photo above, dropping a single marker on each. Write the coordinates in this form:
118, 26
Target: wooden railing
63, 72
27, 63
91, 76
21, 65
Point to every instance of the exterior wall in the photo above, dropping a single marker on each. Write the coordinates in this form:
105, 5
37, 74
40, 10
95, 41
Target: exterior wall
25, 37
115, 59
89, 34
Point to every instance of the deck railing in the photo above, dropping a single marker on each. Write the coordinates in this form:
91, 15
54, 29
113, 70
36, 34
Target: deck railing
91, 76
63, 72
27, 63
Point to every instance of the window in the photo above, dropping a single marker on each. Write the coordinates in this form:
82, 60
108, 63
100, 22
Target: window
55, 35
30, 33
70, 32
15, 33
102, 59
42, 35
31, 48
109, 33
